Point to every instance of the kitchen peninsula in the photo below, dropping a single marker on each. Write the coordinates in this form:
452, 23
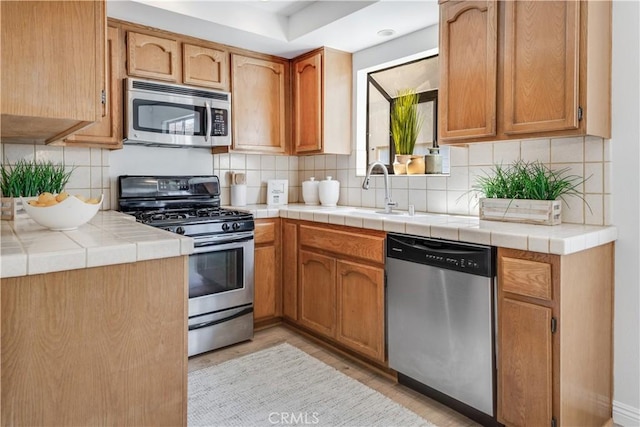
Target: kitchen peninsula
93, 324
122, 289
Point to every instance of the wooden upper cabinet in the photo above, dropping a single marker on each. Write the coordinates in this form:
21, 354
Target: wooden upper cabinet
107, 133
52, 76
468, 69
308, 104
322, 83
259, 94
205, 66
541, 45
152, 57
552, 79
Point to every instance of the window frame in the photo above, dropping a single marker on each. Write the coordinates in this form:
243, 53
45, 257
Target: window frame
423, 97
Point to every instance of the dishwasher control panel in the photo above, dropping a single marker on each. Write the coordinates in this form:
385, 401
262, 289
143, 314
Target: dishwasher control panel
450, 255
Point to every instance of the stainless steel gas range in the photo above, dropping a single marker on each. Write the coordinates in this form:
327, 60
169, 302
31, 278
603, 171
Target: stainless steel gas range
221, 267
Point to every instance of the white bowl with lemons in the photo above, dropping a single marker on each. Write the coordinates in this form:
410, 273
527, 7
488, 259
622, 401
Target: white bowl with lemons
62, 212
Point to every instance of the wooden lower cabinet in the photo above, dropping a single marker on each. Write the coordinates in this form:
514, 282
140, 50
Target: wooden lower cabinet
96, 346
318, 292
525, 334
341, 286
555, 340
290, 270
360, 308
267, 290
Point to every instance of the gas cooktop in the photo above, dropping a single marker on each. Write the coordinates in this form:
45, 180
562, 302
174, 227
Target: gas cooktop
188, 205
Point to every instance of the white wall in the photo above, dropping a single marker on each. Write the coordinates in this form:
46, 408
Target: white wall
625, 143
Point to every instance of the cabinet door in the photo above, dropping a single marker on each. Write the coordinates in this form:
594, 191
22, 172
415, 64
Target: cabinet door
265, 305
318, 292
541, 65
524, 364
267, 291
152, 57
258, 88
360, 302
290, 270
468, 69
307, 104
204, 66
52, 59
107, 133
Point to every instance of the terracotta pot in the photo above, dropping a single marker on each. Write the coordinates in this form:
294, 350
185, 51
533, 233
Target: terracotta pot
416, 165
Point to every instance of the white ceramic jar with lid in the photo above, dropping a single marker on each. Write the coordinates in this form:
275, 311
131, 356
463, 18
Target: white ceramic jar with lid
310, 191
329, 191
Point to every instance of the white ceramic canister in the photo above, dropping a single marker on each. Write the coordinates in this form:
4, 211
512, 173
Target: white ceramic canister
310, 191
329, 192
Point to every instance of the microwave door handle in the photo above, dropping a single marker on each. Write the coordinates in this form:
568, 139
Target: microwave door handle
207, 131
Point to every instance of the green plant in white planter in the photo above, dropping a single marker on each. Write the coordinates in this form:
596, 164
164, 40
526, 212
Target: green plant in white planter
29, 178
406, 122
527, 192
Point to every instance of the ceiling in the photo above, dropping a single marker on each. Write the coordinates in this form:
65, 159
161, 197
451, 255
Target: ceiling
283, 28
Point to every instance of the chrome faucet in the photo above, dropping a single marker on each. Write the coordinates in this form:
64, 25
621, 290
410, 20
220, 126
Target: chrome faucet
388, 203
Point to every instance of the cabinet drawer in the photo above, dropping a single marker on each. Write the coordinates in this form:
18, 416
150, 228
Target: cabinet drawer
355, 245
528, 278
265, 232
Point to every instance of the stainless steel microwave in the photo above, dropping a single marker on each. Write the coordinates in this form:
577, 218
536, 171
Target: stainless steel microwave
161, 114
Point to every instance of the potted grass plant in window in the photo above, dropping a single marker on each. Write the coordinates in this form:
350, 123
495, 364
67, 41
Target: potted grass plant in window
406, 122
526, 192
29, 178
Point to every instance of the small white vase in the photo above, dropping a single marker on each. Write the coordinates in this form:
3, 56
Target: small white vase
310, 191
329, 191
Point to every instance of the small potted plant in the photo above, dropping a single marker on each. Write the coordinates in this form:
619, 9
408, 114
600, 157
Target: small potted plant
406, 122
527, 192
29, 178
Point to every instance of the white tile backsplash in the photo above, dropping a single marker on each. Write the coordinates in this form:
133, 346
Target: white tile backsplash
567, 150
437, 194
536, 150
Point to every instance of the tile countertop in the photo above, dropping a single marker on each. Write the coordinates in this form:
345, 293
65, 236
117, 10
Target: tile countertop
109, 238
560, 239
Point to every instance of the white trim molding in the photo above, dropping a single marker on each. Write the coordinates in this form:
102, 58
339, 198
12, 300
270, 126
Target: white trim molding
625, 415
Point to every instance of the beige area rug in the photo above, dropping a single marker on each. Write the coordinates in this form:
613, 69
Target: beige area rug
283, 386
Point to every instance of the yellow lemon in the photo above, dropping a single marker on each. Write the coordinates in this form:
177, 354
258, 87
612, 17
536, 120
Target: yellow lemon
63, 195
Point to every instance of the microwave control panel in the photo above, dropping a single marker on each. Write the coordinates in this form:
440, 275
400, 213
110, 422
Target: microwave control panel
220, 122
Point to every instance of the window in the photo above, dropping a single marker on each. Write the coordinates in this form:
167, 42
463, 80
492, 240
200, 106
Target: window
383, 85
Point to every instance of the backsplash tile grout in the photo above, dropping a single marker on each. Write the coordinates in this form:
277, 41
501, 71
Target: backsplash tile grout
584, 156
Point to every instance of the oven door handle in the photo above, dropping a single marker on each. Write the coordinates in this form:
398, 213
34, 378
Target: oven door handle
218, 321
211, 245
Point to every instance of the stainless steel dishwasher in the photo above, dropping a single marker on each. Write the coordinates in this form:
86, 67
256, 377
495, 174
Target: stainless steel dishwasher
440, 321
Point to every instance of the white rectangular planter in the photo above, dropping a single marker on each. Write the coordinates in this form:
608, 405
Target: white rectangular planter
545, 212
11, 208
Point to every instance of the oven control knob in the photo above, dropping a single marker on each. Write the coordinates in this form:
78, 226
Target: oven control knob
236, 225
180, 230
225, 227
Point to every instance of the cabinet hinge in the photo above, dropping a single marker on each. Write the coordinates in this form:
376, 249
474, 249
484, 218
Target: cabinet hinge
579, 113
554, 325
553, 422
103, 97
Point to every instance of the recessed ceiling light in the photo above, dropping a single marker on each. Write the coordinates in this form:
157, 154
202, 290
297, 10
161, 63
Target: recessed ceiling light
388, 32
